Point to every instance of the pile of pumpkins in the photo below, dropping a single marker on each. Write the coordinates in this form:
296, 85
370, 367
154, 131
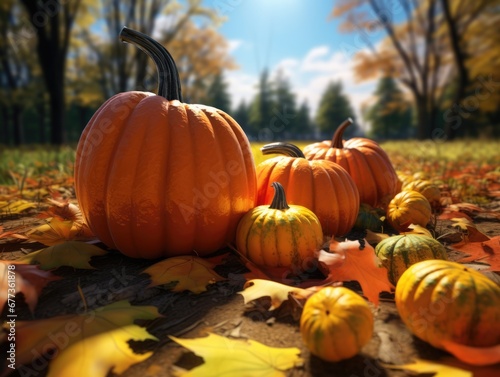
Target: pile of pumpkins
156, 177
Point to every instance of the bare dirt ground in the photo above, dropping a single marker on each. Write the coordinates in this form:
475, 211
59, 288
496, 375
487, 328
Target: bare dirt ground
221, 310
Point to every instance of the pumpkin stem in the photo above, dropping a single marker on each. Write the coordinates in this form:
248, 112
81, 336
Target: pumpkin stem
337, 136
169, 83
286, 149
279, 198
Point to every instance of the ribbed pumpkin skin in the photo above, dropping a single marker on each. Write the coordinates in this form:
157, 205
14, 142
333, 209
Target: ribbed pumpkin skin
366, 162
157, 178
336, 323
442, 300
322, 186
408, 207
397, 253
279, 238
426, 188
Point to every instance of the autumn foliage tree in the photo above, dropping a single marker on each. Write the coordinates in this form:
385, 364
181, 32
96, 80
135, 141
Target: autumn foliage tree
428, 45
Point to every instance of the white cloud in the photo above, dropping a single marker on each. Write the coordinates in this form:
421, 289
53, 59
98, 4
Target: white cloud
234, 44
242, 86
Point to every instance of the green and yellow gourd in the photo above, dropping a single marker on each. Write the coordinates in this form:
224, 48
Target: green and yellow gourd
443, 301
397, 253
279, 235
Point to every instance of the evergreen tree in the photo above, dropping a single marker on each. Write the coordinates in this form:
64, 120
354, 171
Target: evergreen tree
390, 116
217, 94
334, 108
303, 121
241, 115
284, 119
260, 114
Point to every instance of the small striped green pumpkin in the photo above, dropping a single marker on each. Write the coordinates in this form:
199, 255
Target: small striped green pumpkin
397, 253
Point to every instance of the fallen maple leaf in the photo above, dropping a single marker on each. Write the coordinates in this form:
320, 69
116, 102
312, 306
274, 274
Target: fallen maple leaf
473, 355
470, 232
347, 261
425, 367
232, 357
99, 354
191, 273
95, 341
28, 280
257, 288
57, 231
71, 253
482, 251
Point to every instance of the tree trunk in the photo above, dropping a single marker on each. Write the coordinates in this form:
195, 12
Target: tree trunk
423, 121
4, 131
42, 125
17, 124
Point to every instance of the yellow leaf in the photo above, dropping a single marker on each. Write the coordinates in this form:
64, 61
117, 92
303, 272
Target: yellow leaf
15, 207
71, 253
257, 288
98, 354
425, 367
54, 232
231, 357
190, 273
418, 229
69, 333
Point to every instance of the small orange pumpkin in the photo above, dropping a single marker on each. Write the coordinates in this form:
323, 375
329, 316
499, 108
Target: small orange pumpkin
408, 207
156, 177
366, 162
336, 323
322, 186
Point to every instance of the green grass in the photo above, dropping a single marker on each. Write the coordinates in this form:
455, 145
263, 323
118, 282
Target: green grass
466, 167
19, 164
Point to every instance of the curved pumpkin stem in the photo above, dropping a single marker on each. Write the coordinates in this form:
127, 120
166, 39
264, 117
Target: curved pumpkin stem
279, 198
337, 136
286, 149
169, 83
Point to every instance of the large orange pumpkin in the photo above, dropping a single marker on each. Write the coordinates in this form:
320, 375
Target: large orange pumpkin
322, 186
156, 177
366, 162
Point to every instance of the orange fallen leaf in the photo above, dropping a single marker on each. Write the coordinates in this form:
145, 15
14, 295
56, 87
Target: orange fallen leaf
190, 273
57, 231
482, 251
26, 279
473, 355
347, 261
470, 232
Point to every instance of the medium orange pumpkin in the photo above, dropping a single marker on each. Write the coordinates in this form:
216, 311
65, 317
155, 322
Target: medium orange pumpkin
446, 301
366, 162
156, 177
322, 186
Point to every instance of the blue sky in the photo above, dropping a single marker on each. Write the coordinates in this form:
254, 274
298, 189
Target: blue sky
296, 36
